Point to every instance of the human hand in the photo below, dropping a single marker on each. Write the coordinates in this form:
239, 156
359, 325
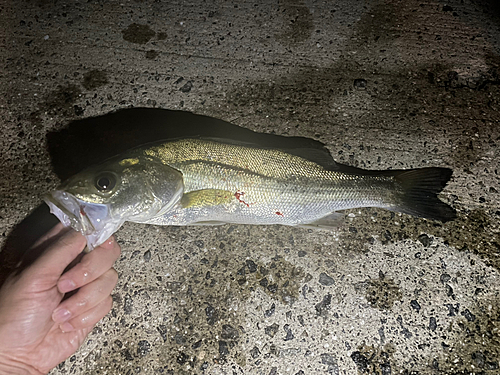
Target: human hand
38, 330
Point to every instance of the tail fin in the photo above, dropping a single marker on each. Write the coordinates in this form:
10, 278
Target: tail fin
420, 189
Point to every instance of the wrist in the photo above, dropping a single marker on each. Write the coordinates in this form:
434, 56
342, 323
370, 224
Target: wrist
9, 366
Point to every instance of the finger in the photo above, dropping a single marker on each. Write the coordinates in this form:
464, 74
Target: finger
86, 298
92, 265
89, 318
59, 254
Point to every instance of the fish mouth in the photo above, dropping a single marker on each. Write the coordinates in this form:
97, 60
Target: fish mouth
93, 220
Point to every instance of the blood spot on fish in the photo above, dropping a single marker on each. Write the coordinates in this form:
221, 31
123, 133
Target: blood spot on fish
238, 196
82, 212
279, 213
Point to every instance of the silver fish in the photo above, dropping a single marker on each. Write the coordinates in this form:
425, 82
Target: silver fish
209, 181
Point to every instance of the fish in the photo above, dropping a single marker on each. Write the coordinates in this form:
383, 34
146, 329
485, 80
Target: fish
213, 181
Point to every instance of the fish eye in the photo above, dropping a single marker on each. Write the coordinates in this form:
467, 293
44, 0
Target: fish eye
105, 182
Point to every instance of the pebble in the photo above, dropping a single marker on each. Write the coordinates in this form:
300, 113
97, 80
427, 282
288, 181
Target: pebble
323, 307
229, 332
272, 329
143, 347
360, 84
326, 280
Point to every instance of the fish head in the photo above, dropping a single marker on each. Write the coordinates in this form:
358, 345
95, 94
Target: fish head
98, 200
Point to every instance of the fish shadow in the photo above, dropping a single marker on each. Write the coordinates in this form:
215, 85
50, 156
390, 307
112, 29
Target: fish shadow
88, 141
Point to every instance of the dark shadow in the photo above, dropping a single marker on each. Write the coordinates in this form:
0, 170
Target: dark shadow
22, 238
92, 140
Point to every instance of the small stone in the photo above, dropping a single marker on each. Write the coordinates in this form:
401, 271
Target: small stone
468, 315
162, 329
223, 349
147, 256
143, 347
179, 338
432, 323
445, 278
326, 280
480, 359
229, 332
128, 356
254, 352
270, 312
271, 330
251, 265
323, 307
331, 362
302, 254
300, 318
415, 305
360, 84
452, 309
449, 291
182, 358
211, 314
424, 240
273, 288
128, 305
289, 334
197, 344
187, 87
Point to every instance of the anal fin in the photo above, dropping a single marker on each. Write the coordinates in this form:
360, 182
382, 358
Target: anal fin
330, 221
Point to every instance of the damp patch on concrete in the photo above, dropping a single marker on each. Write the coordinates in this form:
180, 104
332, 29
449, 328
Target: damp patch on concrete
380, 293
137, 33
473, 232
374, 360
62, 101
94, 79
472, 343
297, 23
151, 54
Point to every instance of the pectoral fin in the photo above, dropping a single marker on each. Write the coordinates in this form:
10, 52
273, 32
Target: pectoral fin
206, 197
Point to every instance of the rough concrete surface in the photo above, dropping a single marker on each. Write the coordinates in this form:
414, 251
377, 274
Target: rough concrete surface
385, 84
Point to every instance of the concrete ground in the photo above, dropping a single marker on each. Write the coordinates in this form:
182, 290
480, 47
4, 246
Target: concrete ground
384, 84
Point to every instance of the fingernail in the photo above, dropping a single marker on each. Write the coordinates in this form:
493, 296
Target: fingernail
109, 243
60, 315
66, 327
66, 285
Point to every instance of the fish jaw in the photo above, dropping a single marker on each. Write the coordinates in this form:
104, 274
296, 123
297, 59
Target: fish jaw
93, 220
